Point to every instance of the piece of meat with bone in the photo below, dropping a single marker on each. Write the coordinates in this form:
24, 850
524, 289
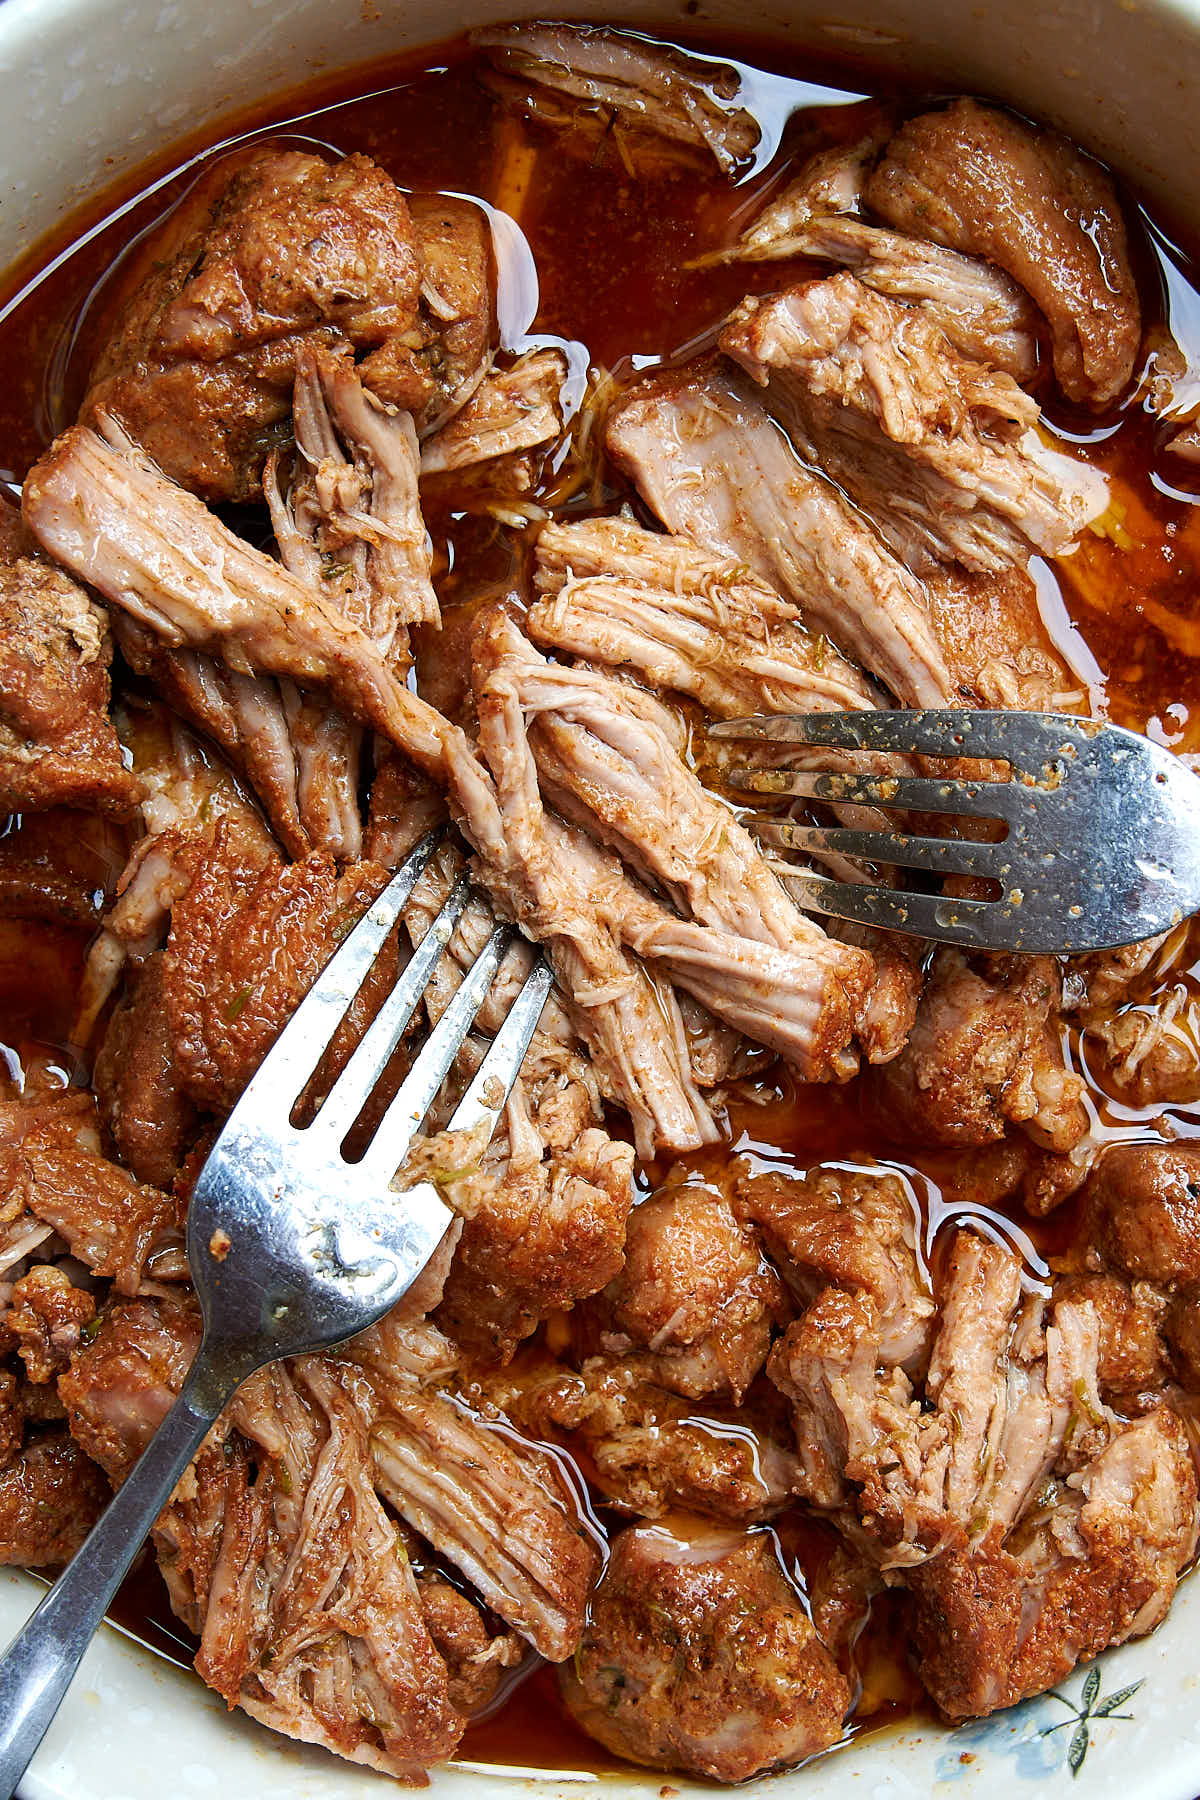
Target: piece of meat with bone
713, 465
980, 309
104, 511
1097, 1566
271, 249
985, 1053
434, 366
939, 451
51, 1495
700, 1656
695, 623
512, 409
981, 181
694, 1300
57, 743
56, 1179
624, 82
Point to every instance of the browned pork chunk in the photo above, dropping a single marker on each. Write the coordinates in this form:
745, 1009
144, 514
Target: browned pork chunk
57, 743
699, 1656
1143, 1213
149, 1117
1097, 1566
247, 941
707, 457
938, 450
994, 638
50, 1497
54, 1178
271, 248
589, 80
433, 366
984, 182
694, 1300
985, 1052
543, 1209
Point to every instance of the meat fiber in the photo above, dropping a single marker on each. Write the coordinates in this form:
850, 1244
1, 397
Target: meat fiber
712, 464
617, 78
939, 451
980, 309
694, 623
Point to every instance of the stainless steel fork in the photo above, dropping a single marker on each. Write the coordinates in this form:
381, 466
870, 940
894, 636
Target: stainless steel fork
291, 1247
1102, 840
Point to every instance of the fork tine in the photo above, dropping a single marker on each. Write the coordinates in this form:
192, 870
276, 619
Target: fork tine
419, 1089
1007, 735
493, 1079
940, 856
892, 909
912, 793
290, 1063
348, 1095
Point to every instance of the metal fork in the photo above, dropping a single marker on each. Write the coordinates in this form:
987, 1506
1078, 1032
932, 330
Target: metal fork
291, 1247
1102, 846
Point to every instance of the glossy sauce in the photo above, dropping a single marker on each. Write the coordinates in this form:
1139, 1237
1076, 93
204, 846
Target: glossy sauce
611, 256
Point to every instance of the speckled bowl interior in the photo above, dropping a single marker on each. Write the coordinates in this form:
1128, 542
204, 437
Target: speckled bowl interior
92, 88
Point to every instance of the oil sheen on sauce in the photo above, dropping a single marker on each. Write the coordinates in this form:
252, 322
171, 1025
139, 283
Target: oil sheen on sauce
604, 263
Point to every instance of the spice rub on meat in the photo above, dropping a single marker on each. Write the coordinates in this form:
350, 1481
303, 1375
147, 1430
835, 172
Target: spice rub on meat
57, 743
698, 1655
384, 556
984, 182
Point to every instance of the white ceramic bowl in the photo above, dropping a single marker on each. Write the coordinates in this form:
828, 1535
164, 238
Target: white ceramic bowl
90, 89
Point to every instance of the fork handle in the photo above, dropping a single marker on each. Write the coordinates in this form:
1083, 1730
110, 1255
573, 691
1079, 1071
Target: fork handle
37, 1668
